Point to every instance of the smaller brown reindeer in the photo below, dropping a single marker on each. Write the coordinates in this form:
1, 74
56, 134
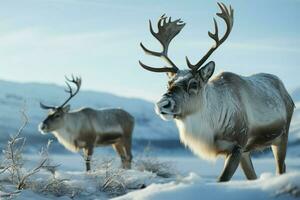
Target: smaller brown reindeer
87, 128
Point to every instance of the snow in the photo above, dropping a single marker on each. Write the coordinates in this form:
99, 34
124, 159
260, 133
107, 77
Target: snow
202, 184
194, 186
196, 178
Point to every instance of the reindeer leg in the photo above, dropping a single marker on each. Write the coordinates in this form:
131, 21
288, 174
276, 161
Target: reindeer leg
279, 152
247, 166
120, 151
128, 154
88, 152
231, 163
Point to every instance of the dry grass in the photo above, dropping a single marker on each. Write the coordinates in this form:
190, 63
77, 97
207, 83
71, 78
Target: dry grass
112, 183
152, 164
147, 162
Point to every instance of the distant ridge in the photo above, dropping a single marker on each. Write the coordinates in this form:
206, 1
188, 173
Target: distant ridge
13, 96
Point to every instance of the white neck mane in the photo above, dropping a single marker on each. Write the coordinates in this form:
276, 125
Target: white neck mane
67, 138
198, 130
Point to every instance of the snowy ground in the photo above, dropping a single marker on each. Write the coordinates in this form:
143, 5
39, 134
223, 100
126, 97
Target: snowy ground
193, 178
199, 178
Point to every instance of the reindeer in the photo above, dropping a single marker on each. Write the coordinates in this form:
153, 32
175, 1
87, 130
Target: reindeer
228, 114
87, 128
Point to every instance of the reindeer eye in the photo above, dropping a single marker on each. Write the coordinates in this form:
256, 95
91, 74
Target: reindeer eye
193, 85
56, 116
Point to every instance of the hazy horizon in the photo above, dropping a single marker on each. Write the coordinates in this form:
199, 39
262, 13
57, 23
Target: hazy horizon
42, 41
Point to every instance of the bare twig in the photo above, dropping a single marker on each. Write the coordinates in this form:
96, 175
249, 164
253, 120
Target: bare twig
13, 152
14, 162
54, 182
22, 181
4, 169
113, 182
9, 195
146, 162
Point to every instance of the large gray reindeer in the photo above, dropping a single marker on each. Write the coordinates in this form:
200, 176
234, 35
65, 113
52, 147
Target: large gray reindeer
229, 114
87, 128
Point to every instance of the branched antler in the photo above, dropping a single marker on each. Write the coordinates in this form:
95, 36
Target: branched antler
23, 180
227, 15
77, 82
167, 30
74, 80
46, 107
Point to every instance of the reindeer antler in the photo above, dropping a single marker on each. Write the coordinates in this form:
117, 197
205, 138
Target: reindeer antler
167, 30
43, 106
227, 15
77, 82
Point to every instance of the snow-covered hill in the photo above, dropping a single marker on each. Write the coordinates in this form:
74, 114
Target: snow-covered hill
14, 96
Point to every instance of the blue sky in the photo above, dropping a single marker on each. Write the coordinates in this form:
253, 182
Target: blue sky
43, 40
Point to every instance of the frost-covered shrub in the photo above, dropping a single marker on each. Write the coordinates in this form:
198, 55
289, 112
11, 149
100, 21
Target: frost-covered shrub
162, 169
13, 170
111, 179
55, 187
13, 162
146, 162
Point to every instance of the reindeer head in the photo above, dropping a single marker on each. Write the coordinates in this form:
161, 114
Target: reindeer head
56, 117
184, 86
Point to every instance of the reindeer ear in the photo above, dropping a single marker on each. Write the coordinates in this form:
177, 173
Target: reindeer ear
66, 108
207, 71
171, 74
